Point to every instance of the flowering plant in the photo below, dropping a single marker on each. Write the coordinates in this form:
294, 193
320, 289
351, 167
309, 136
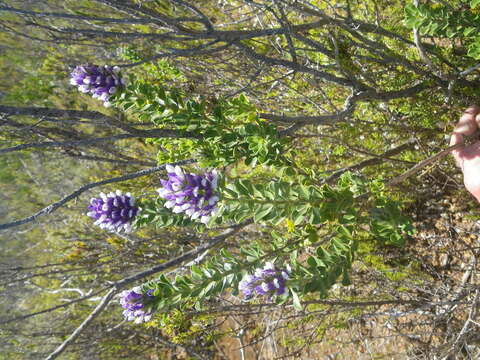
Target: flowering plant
265, 281
99, 81
135, 303
192, 194
231, 132
113, 211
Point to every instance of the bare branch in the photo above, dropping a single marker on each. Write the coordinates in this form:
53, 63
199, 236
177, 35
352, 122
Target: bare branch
100, 307
292, 65
192, 254
74, 17
469, 70
108, 160
422, 164
372, 161
154, 133
53, 308
320, 119
349, 106
174, 53
203, 18
51, 208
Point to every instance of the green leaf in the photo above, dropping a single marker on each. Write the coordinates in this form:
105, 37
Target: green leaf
296, 300
346, 279
470, 30
262, 211
312, 262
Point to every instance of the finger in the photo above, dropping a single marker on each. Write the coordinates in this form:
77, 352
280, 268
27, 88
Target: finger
477, 120
455, 139
467, 124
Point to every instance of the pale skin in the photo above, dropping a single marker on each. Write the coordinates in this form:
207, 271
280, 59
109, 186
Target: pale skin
468, 157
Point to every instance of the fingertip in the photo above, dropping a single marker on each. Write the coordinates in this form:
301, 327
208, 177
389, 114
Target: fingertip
477, 119
457, 155
456, 138
468, 123
473, 109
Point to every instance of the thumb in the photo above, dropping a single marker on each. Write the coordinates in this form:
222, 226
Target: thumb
472, 181
457, 138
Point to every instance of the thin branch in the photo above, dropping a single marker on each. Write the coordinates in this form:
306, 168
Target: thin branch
339, 303
51, 208
319, 120
74, 17
349, 106
100, 307
109, 34
372, 161
292, 65
129, 7
53, 308
156, 269
469, 70
197, 51
203, 18
422, 164
154, 133
41, 112
228, 35
44, 112
193, 254
421, 51
191, 352
112, 161
186, 256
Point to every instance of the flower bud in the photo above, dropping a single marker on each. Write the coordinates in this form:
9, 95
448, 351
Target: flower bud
114, 211
268, 280
191, 194
135, 304
100, 81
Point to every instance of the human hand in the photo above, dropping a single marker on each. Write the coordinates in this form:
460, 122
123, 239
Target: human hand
468, 157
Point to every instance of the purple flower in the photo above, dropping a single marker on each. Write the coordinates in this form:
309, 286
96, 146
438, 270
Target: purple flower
114, 211
135, 302
267, 281
100, 81
194, 195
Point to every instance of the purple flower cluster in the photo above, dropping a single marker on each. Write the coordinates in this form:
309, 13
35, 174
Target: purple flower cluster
267, 281
194, 195
135, 304
100, 81
114, 211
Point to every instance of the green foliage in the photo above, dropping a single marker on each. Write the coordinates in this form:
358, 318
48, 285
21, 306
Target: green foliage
224, 271
227, 129
445, 21
183, 328
387, 223
199, 284
303, 208
31, 89
328, 263
154, 212
277, 201
161, 71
